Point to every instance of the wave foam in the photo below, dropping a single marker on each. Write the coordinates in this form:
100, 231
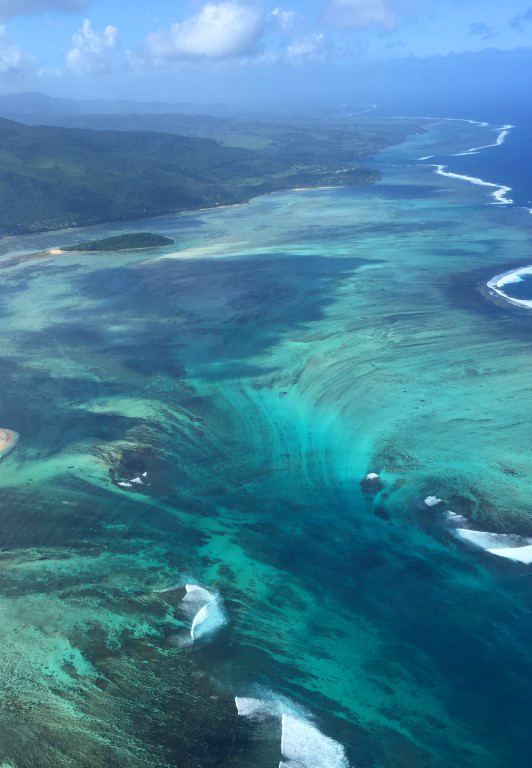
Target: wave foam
500, 193
500, 189
257, 709
304, 746
498, 282
510, 546
455, 520
205, 609
501, 137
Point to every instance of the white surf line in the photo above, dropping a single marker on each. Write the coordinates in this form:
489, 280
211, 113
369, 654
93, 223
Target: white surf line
501, 137
503, 133
508, 545
303, 745
429, 117
204, 608
516, 548
500, 193
497, 283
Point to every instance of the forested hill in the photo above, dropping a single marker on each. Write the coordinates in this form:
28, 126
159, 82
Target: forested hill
54, 177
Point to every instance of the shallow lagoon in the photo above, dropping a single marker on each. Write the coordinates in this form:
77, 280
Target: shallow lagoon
257, 371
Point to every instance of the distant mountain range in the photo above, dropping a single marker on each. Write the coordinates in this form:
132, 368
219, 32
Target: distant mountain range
35, 103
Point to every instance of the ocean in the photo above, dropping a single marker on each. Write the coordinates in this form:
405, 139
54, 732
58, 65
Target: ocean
270, 503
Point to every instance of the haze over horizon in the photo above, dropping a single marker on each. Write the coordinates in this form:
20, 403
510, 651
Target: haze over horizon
265, 392
239, 51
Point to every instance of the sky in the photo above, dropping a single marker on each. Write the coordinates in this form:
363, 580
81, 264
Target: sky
226, 49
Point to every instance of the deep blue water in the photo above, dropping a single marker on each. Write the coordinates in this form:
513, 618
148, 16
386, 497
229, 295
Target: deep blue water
509, 164
210, 417
521, 290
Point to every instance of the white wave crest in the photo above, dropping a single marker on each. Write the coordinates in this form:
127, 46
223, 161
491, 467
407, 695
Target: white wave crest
500, 190
497, 283
501, 137
455, 520
304, 746
205, 609
432, 501
256, 709
510, 546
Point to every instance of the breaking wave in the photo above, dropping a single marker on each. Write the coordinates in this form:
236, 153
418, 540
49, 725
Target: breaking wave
508, 545
302, 745
205, 609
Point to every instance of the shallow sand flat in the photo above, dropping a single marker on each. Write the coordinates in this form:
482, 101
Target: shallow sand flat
262, 382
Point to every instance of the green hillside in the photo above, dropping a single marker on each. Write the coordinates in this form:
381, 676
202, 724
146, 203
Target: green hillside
54, 177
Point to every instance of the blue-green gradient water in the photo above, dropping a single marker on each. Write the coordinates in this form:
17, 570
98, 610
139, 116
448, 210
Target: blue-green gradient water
240, 385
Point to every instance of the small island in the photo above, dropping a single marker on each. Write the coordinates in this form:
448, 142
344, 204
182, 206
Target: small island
128, 242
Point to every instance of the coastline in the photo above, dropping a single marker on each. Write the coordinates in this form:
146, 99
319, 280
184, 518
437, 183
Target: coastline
500, 190
311, 371
499, 193
179, 211
324, 171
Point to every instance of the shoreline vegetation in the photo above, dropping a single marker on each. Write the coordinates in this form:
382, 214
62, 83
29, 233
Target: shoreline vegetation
128, 241
133, 241
55, 178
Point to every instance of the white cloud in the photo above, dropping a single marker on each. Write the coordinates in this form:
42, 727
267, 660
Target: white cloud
9, 8
285, 19
13, 61
219, 31
92, 52
307, 48
359, 14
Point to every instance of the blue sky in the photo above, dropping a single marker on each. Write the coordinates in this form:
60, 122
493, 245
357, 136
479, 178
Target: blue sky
129, 47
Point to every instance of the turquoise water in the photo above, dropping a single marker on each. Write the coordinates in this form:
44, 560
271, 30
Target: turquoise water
240, 385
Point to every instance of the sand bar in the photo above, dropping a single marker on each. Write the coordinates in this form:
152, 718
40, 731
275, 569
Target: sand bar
8, 440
